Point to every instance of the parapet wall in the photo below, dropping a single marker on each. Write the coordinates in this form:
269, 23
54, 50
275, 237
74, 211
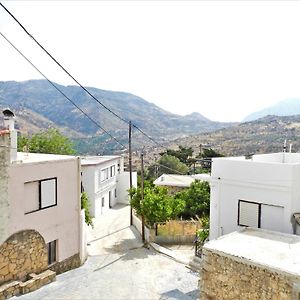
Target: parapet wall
224, 277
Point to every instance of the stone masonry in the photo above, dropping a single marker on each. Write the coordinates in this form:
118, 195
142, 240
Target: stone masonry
225, 277
23, 253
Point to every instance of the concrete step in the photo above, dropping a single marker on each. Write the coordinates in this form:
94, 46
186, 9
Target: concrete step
195, 264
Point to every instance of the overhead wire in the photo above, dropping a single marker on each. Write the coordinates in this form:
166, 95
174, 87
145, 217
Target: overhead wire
75, 80
60, 91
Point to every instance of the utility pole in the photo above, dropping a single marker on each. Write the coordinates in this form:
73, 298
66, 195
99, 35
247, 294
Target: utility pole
130, 165
142, 194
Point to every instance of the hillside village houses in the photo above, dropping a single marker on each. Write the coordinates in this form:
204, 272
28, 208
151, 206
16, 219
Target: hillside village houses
42, 226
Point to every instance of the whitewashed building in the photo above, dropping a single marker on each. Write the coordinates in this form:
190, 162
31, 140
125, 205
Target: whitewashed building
260, 192
106, 183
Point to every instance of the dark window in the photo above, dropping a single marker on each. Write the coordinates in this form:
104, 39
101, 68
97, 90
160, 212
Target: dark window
102, 201
115, 193
51, 252
249, 214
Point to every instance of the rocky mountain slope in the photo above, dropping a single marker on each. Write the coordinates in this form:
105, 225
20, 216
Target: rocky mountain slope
264, 135
38, 106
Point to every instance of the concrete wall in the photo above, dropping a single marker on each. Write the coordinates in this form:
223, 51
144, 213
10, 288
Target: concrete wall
275, 184
4, 200
60, 222
123, 186
225, 277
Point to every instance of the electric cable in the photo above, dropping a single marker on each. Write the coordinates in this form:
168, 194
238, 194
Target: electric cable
60, 91
73, 78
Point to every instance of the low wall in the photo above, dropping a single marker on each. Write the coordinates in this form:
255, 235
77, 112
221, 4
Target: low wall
83, 237
66, 265
161, 239
225, 277
137, 223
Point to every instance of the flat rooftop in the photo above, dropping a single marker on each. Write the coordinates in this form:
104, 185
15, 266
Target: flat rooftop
281, 157
275, 250
95, 160
25, 157
179, 180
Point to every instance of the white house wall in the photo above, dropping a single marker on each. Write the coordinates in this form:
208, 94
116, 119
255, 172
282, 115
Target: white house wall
266, 183
99, 190
123, 186
88, 182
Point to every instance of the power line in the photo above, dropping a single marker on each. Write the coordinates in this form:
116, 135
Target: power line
68, 73
60, 91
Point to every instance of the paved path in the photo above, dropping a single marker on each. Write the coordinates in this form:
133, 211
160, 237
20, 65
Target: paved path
119, 267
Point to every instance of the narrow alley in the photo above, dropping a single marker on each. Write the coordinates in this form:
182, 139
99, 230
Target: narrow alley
120, 267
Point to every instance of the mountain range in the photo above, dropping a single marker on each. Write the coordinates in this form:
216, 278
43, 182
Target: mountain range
288, 107
264, 135
38, 105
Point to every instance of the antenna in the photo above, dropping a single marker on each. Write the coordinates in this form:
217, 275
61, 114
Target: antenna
284, 146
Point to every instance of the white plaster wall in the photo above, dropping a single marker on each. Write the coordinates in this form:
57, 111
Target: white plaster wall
265, 183
4, 200
61, 222
124, 185
88, 182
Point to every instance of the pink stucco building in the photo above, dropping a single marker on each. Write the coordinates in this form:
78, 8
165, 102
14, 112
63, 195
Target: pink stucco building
41, 192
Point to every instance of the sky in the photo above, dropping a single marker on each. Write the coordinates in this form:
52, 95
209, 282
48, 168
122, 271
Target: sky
223, 59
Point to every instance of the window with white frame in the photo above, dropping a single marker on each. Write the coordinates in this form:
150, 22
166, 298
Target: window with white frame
112, 171
40, 194
249, 214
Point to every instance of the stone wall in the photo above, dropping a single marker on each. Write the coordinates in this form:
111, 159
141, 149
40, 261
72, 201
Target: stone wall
66, 265
226, 277
22, 253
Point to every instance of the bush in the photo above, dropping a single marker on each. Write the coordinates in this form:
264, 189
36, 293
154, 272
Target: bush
85, 204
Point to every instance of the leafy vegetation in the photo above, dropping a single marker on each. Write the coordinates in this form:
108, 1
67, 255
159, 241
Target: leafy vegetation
196, 198
50, 141
157, 206
85, 204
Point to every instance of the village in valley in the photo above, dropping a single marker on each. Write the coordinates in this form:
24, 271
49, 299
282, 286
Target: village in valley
104, 195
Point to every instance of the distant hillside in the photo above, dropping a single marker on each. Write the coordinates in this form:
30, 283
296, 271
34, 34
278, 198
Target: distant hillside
290, 107
261, 136
38, 106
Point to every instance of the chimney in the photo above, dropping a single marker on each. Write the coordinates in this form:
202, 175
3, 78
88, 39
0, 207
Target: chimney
9, 123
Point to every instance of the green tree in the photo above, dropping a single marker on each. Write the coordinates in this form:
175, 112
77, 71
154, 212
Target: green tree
209, 153
50, 141
196, 198
183, 154
85, 204
170, 164
157, 206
